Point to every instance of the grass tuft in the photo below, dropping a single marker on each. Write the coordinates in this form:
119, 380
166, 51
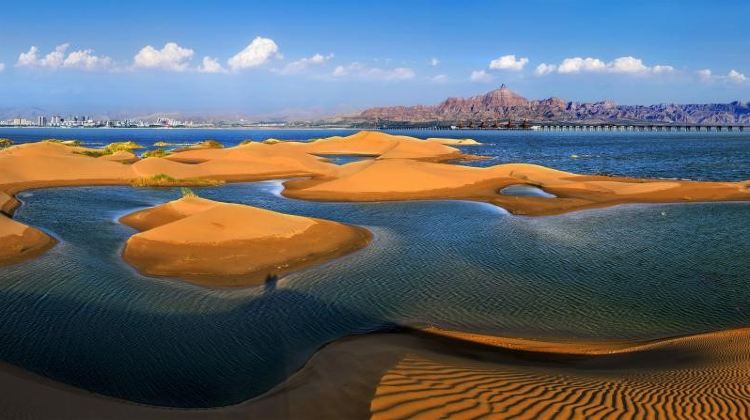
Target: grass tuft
5, 143
158, 153
164, 180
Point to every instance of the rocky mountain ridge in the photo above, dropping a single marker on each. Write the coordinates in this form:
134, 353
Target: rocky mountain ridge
504, 104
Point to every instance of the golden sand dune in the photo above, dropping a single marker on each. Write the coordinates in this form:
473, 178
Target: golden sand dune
700, 376
417, 375
407, 179
455, 142
220, 244
121, 156
21, 242
384, 146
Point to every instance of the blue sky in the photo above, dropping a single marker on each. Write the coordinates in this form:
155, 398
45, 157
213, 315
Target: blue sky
328, 56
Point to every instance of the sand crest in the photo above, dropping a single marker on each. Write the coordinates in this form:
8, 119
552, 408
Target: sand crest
220, 244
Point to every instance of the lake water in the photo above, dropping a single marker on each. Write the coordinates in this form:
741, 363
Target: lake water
80, 315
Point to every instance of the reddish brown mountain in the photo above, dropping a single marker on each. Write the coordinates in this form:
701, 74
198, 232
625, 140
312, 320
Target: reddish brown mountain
504, 104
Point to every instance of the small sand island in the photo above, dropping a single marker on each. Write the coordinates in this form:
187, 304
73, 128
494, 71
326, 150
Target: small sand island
218, 244
396, 168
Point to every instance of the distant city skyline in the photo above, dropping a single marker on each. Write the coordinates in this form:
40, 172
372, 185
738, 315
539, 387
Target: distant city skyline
324, 58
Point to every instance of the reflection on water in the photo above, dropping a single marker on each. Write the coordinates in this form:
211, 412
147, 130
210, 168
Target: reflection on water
79, 314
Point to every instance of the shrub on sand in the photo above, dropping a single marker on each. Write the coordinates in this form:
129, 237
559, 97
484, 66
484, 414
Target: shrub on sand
158, 153
164, 180
187, 192
161, 143
272, 141
210, 144
127, 146
5, 143
72, 143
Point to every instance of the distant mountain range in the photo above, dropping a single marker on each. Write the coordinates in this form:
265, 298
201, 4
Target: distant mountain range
503, 104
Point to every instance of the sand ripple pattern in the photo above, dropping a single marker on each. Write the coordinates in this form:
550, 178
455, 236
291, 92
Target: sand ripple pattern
704, 376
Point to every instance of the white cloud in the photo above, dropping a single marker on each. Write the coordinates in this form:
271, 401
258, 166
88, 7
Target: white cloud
306, 63
733, 76
80, 59
543, 69
620, 65
28, 58
434, 62
480, 76
578, 65
2, 66
85, 60
736, 76
704, 74
627, 65
440, 78
257, 53
171, 57
210, 65
362, 71
55, 58
508, 62
662, 69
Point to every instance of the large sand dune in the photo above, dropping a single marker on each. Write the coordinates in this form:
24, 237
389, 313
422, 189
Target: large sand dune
424, 375
220, 244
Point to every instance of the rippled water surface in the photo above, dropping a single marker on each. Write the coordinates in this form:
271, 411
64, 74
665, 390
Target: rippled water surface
80, 315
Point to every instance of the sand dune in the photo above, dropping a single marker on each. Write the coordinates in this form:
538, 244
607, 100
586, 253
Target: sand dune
407, 179
420, 375
698, 376
220, 244
403, 168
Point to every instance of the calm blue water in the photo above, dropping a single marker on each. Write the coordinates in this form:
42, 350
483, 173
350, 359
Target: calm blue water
704, 156
80, 315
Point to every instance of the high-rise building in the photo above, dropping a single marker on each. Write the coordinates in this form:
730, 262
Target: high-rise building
41, 121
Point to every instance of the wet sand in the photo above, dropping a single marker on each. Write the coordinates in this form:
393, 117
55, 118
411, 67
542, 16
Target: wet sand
412, 374
229, 245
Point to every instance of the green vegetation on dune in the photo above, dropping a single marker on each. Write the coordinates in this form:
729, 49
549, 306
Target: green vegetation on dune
72, 142
211, 144
158, 153
187, 192
5, 143
164, 180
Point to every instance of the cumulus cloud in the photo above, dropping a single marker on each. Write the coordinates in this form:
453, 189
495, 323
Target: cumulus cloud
736, 76
171, 57
620, 65
210, 65
480, 76
627, 65
80, 59
361, 71
303, 64
543, 69
578, 65
508, 62
85, 60
257, 53
434, 61
2, 66
662, 69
